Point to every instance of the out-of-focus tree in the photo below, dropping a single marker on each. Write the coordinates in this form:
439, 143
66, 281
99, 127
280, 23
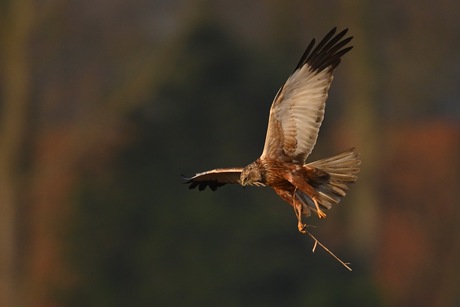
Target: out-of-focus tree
361, 122
15, 33
420, 234
66, 85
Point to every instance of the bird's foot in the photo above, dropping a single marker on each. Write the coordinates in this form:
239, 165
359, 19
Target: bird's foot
302, 227
321, 214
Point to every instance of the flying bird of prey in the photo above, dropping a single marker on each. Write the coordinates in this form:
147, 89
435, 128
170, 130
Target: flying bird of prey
295, 118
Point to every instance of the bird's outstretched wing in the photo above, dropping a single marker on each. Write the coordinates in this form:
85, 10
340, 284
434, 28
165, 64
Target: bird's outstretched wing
214, 178
298, 108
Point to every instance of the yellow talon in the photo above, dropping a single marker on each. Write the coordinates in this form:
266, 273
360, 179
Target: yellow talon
302, 227
321, 214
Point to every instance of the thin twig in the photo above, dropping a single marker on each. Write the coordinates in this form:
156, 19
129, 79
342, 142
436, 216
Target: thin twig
299, 215
327, 250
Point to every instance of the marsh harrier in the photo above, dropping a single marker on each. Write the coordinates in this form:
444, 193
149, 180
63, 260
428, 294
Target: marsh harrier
295, 118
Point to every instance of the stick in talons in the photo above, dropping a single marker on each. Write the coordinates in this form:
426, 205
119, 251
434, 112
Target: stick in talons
327, 250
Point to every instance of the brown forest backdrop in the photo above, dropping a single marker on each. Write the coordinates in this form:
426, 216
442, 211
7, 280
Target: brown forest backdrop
103, 104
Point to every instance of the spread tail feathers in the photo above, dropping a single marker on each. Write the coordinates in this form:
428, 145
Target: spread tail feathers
342, 170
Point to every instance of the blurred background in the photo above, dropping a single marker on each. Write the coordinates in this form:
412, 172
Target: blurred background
103, 104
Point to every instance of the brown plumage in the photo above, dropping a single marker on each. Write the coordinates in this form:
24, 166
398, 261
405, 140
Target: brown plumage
296, 115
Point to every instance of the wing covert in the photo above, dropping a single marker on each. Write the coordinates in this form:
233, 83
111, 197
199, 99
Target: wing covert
297, 111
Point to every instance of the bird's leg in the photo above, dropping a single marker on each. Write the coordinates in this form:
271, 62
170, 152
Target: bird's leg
297, 206
301, 226
303, 186
321, 213
298, 212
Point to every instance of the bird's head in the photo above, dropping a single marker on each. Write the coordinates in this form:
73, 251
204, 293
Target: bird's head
251, 175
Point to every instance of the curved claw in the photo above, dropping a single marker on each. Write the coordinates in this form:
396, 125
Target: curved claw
321, 213
302, 227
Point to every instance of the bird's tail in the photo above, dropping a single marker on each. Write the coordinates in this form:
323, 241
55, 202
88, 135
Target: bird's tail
341, 169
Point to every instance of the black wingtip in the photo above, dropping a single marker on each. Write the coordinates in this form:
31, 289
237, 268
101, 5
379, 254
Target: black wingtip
188, 180
213, 185
185, 179
328, 52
